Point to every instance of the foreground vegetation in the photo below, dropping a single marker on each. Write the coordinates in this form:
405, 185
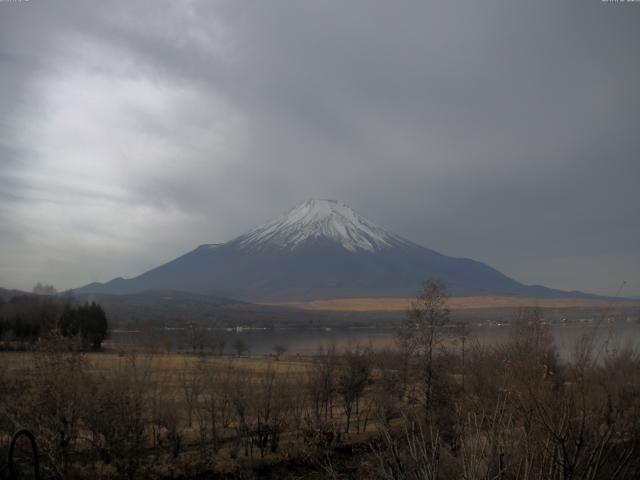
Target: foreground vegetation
434, 408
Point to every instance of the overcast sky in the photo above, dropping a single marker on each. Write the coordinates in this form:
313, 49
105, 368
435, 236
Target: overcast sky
505, 131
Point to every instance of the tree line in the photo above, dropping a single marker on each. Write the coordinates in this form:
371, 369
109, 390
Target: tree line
27, 319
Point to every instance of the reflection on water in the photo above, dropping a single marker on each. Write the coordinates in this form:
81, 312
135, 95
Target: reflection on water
307, 341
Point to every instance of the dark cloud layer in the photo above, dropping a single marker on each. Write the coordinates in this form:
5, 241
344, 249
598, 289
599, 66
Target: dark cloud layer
503, 131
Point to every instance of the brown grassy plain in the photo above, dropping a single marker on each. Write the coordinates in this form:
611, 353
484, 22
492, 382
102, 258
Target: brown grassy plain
16, 363
455, 303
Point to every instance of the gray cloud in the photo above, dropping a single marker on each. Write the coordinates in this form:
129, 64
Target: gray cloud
502, 131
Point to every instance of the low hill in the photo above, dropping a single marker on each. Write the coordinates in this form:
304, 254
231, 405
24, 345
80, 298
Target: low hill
170, 308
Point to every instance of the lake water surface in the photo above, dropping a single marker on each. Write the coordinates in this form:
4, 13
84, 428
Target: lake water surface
307, 341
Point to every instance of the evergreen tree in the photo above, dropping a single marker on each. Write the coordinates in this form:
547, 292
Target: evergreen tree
69, 324
94, 327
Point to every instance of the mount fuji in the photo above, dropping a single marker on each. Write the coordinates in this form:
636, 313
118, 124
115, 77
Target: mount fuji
320, 249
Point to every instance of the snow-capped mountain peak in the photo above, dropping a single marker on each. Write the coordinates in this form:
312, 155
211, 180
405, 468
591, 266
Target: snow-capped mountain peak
324, 220
320, 249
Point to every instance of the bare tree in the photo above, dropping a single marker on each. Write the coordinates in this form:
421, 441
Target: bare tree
279, 350
241, 402
321, 382
240, 346
413, 454
271, 407
190, 379
388, 390
118, 415
353, 378
421, 333
218, 343
217, 401
198, 337
56, 401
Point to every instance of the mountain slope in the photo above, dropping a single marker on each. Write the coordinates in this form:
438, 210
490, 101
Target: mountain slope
6, 294
319, 249
175, 309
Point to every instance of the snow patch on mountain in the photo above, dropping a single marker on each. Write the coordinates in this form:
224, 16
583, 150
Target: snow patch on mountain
320, 220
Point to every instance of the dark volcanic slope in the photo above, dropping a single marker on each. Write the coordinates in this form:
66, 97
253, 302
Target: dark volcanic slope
176, 309
320, 249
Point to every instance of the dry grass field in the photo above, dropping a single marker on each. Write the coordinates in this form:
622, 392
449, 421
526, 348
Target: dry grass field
455, 303
152, 410
171, 365
429, 405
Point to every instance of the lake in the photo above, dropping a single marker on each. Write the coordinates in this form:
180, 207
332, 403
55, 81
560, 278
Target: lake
307, 341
